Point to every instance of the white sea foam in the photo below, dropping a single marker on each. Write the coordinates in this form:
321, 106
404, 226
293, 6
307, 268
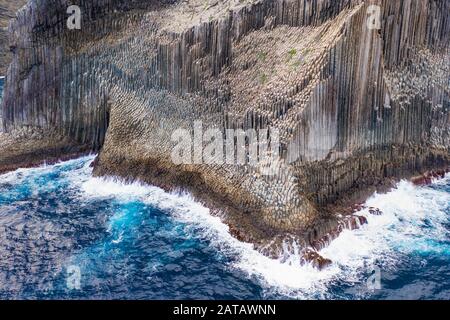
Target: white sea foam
399, 230
283, 276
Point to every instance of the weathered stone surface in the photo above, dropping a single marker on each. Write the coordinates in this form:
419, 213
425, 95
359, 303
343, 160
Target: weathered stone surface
429, 176
23, 148
356, 107
7, 11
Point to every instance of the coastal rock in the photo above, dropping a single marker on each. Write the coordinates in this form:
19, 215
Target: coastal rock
375, 211
356, 107
306, 246
315, 259
322, 235
286, 246
428, 177
8, 9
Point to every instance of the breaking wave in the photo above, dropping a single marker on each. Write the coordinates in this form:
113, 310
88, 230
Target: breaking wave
414, 226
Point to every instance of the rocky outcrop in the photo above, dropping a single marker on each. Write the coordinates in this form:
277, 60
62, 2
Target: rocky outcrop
26, 148
429, 176
354, 106
7, 11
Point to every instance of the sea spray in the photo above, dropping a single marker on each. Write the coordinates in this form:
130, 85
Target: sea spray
397, 231
117, 251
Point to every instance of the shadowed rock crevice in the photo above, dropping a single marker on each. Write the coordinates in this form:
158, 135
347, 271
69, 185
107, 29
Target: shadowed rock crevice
356, 108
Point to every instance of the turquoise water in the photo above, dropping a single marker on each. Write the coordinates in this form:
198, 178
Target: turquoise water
67, 235
51, 219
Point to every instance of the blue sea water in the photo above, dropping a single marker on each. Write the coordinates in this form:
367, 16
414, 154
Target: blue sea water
67, 235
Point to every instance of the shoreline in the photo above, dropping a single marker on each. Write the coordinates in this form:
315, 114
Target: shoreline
333, 220
278, 278
44, 148
341, 215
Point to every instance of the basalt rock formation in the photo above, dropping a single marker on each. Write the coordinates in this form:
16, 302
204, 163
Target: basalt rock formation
356, 105
7, 11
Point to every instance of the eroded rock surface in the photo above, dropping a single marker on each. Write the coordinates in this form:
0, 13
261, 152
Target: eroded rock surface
7, 11
355, 106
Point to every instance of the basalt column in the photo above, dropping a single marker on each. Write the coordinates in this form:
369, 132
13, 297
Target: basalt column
354, 104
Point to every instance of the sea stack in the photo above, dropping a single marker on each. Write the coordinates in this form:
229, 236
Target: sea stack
350, 95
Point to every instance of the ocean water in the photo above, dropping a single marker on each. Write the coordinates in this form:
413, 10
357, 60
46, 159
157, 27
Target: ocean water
67, 235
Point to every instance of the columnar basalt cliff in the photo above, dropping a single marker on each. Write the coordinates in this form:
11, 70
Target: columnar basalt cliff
7, 11
355, 106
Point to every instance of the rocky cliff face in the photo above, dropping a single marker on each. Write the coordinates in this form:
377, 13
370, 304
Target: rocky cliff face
7, 11
354, 106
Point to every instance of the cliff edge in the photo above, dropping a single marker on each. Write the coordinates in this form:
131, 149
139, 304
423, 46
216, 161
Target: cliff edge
7, 12
348, 95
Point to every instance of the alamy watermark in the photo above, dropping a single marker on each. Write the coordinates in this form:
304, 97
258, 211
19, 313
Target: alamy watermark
214, 146
374, 280
74, 20
73, 280
374, 20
